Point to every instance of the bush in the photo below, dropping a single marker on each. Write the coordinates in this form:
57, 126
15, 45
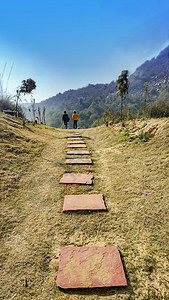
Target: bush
144, 136
6, 104
159, 109
23, 122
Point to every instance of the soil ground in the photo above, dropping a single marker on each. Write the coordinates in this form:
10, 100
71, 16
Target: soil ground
131, 170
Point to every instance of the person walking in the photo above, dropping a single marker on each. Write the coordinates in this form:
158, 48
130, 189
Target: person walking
65, 119
75, 118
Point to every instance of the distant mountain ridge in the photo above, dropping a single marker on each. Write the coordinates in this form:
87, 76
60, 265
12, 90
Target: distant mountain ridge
91, 101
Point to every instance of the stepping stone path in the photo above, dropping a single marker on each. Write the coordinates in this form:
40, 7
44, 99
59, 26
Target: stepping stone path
79, 161
89, 267
75, 142
84, 202
75, 139
78, 152
77, 146
77, 178
73, 135
86, 267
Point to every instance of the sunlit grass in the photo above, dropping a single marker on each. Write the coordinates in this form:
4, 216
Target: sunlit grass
131, 174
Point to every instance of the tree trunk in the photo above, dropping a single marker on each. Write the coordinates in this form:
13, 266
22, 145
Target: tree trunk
17, 100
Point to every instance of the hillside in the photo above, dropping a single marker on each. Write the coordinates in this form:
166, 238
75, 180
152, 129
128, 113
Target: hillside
131, 170
91, 101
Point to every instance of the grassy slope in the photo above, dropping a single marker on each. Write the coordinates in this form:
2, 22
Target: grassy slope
130, 173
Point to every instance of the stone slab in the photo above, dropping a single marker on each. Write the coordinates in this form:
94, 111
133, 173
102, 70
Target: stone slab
75, 142
73, 134
76, 146
75, 139
78, 161
78, 178
84, 202
78, 152
90, 267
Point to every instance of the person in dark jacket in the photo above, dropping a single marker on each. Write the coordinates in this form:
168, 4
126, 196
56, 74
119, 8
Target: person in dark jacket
65, 119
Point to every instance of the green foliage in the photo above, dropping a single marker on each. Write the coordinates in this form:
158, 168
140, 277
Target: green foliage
123, 84
123, 87
145, 124
23, 122
125, 132
144, 136
146, 91
27, 86
123, 123
15, 169
6, 104
159, 109
145, 95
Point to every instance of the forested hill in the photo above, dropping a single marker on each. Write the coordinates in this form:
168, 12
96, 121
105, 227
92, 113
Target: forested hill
91, 101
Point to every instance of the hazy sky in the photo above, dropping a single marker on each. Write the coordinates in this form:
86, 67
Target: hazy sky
67, 44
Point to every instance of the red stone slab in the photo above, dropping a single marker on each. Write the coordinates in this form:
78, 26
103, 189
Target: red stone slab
73, 134
76, 146
83, 202
78, 161
78, 152
76, 142
75, 139
90, 267
78, 178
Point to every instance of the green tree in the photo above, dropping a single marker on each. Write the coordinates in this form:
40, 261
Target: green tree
105, 116
123, 87
110, 114
145, 96
26, 87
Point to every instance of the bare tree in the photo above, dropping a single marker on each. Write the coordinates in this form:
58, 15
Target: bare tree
39, 115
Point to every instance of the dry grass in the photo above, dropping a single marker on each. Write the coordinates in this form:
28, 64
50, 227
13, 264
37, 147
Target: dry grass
132, 175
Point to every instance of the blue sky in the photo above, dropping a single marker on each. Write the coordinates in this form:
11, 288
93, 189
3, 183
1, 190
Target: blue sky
67, 44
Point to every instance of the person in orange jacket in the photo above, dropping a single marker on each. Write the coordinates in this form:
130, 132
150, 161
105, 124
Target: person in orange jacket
75, 118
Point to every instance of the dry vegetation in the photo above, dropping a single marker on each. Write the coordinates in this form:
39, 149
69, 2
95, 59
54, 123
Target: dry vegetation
130, 169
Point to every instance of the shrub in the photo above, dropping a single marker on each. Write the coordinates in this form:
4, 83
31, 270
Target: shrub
159, 109
6, 104
144, 125
23, 122
126, 132
144, 136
